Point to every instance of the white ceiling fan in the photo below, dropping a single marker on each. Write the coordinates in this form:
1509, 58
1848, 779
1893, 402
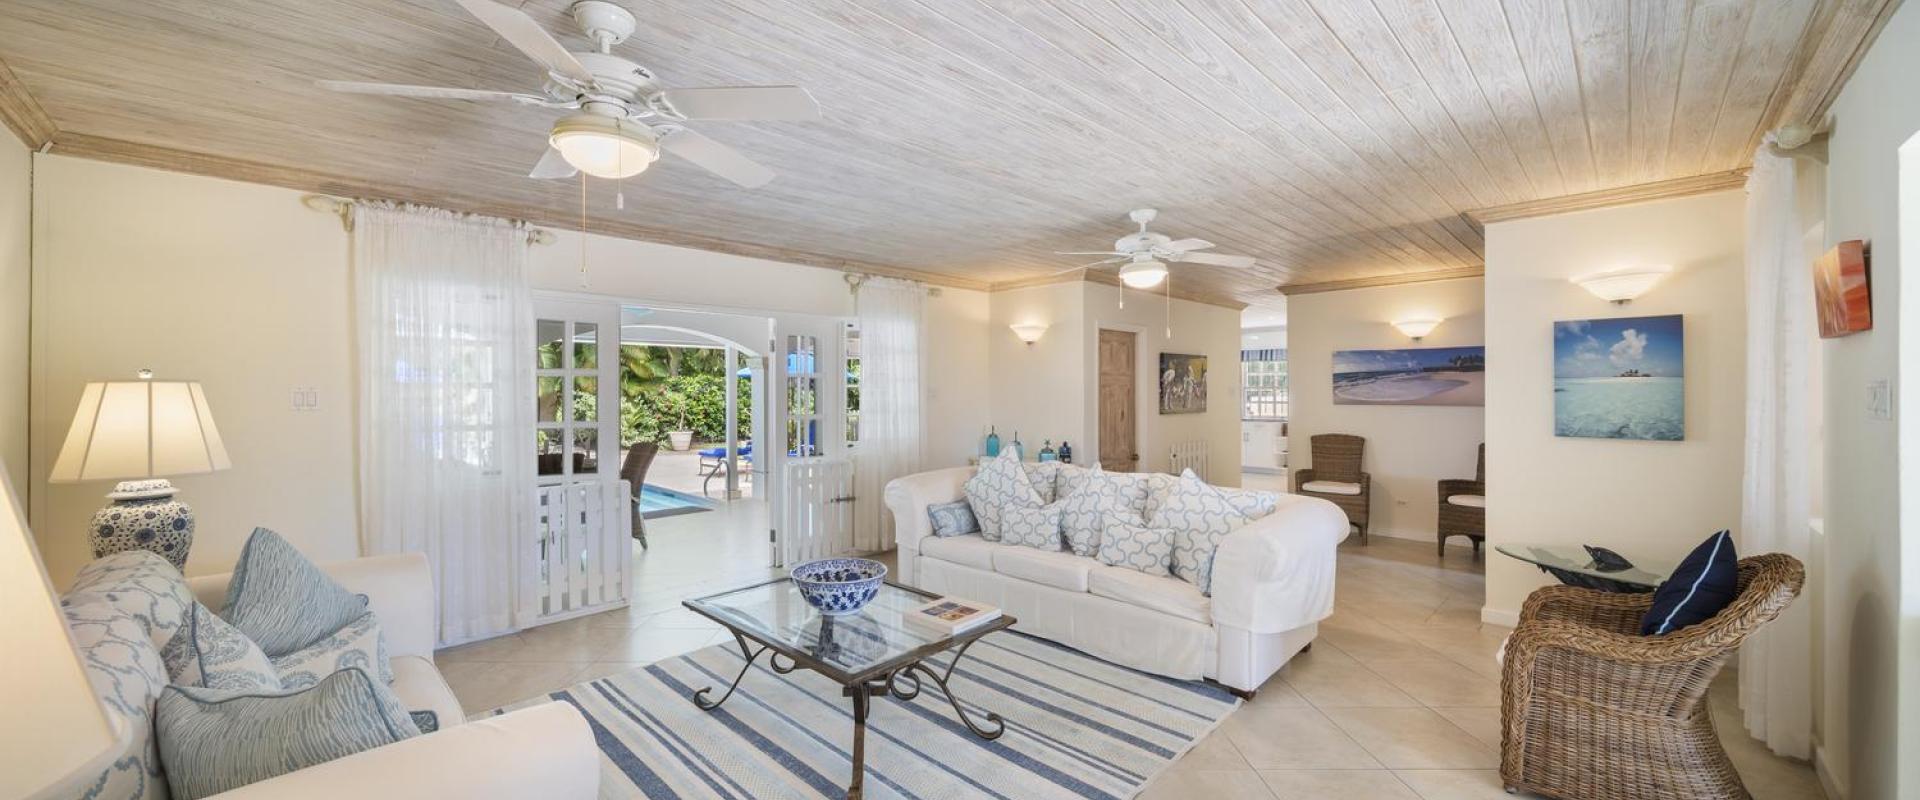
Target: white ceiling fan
1147, 254
621, 117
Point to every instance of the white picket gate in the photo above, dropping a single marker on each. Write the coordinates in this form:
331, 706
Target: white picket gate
586, 553
816, 509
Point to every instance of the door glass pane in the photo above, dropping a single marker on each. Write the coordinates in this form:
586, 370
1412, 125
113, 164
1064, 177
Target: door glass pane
586, 345
800, 355
546, 450
549, 342
800, 396
550, 399
586, 399
586, 451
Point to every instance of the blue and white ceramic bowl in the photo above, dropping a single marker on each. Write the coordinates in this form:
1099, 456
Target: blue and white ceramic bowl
837, 586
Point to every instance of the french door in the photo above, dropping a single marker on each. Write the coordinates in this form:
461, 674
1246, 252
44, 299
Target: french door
581, 507
812, 504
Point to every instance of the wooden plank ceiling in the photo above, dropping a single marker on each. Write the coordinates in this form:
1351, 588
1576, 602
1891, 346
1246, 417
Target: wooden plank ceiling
1336, 140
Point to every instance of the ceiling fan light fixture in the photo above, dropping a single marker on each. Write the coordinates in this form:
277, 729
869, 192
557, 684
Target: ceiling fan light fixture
1143, 274
604, 147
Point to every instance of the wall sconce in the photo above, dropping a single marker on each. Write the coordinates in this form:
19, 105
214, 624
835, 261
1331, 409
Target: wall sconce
1622, 286
1417, 329
1029, 332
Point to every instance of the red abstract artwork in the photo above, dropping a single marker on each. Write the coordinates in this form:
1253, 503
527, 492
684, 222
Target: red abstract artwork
1841, 293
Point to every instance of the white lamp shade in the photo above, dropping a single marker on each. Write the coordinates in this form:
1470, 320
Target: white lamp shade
1417, 328
602, 146
1143, 274
1621, 286
1029, 332
56, 727
140, 429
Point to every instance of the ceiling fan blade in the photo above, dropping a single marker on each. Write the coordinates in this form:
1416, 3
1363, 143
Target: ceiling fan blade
1183, 245
436, 92
552, 165
1088, 253
1218, 260
715, 157
744, 103
525, 34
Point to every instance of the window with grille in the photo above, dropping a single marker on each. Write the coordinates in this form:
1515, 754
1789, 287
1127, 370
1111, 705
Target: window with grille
1263, 382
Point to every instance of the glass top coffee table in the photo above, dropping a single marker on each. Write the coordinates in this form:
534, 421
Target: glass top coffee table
1574, 567
874, 652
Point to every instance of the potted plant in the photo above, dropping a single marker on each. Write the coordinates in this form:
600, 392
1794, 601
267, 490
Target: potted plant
675, 404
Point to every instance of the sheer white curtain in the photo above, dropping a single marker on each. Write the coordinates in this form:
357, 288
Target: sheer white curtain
444, 317
891, 342
1776, 662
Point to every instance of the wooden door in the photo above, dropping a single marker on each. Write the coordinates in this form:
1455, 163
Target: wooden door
1119, 442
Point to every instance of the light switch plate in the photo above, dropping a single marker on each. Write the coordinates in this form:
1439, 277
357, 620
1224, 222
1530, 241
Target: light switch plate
1879, 399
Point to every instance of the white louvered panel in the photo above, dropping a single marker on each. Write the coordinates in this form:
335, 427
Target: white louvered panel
817, 518
1189, 455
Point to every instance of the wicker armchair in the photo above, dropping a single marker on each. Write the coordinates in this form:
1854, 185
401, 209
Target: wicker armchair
634, 471
1336, 457
1591, 710
1464, 520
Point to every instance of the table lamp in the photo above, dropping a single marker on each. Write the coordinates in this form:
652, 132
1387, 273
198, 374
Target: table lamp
141, 429
56, 727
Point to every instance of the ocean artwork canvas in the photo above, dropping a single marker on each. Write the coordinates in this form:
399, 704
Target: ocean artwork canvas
1620, 378
1425, 376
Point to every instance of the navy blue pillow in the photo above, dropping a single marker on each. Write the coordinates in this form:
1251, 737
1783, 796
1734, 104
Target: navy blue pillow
1703, 584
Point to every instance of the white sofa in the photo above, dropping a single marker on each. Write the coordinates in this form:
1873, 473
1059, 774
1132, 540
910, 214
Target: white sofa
1272, 584
546, 751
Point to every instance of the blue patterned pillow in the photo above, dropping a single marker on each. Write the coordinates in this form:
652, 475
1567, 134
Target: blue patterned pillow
1070, 478
1127, 543
1098, 495
1000, 483
1200, 516
143, 585
1033, 527
1044, 476
282, 601
213, 740
426, 721
359, 645
127, 675
952, 519
209, 653
1251, 503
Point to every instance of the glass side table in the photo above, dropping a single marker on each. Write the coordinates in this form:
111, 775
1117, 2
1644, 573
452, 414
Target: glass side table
1571, 564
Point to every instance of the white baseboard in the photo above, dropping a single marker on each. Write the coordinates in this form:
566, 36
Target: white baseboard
1501, 617
1827, 781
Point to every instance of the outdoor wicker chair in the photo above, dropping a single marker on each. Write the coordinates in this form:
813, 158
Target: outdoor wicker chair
1591, 710
1463, 507
634, 472
1336, 476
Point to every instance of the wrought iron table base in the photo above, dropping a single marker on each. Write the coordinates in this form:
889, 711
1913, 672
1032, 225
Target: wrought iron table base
862, 695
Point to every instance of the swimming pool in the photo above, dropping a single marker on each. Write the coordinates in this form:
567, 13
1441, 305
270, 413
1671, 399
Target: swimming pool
659, 501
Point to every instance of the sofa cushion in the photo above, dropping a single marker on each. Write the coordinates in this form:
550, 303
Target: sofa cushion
952, 519
1031, 527
127, 675
1070, 479
1044, 476
420, 687
1135, 546
1097, 495
1251, 503
1199, 516
971, 550
209, 653
1157, 593
281, 601
213, 740
143, 585
1468, 500
999, 483
358, 645
1330, 487
1057, 568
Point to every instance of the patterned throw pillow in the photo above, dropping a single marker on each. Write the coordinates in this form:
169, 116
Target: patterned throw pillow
1070, 478
208, 653
1251, 503
1127, 543
213, 740
1045, 476
281, 600
1000, 483
1100, 494
359, 645
1033, 527
143, 585
952, 519
1200, 516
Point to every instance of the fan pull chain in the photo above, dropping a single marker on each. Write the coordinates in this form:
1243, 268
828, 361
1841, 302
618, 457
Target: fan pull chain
1169, 304
584, 283
1123, 294
620, 186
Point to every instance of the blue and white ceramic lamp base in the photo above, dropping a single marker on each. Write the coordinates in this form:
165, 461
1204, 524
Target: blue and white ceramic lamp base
143, 516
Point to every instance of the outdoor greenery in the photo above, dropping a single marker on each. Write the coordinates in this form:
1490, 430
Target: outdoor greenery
662, 389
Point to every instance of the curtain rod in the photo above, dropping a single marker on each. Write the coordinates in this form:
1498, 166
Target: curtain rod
344, 210
855, 279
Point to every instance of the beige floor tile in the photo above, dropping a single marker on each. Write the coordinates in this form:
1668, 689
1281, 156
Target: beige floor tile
1458, 784
1327, 784
1243, 784
1294, 738
482, 685
647, 645
1213, 752
603, 669
1368, 640
1482, 722
1439, 682
1327, 677
1413, 738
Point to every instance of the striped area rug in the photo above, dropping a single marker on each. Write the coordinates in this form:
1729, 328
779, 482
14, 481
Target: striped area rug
1076, 727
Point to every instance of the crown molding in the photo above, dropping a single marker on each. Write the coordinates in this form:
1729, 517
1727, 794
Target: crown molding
1108, 279
21, 113
1397, 279
1606, 198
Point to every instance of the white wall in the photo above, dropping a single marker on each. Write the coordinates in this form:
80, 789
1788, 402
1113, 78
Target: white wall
1034, 389
16, 281
1651, 501
1873, 557
1409, 448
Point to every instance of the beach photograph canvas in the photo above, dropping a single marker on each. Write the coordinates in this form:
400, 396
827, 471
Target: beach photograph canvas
1425, 376
1620, 378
